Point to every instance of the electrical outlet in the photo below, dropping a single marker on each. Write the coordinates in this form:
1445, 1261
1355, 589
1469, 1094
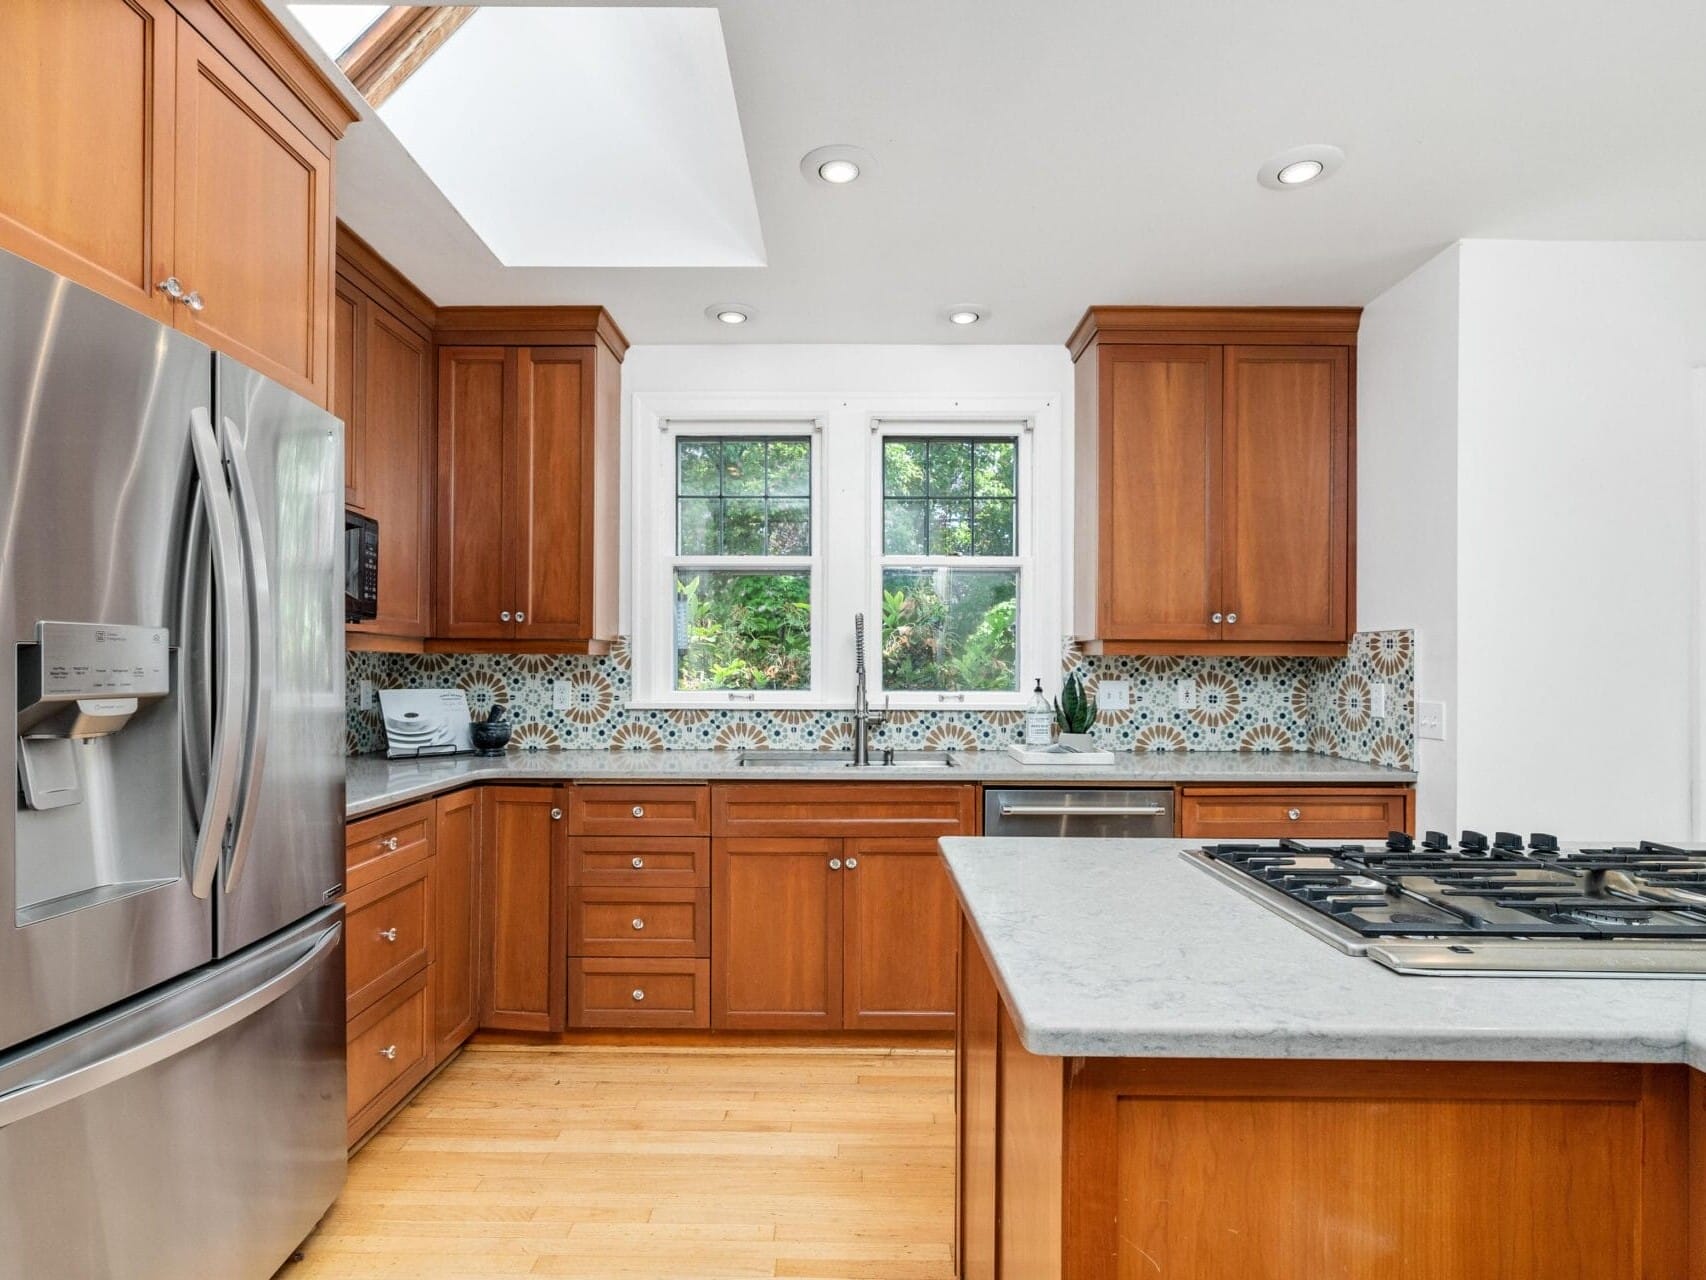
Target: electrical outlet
1113, 695
364, 695
1377, 700
559, 695
1185, 693
1430, 720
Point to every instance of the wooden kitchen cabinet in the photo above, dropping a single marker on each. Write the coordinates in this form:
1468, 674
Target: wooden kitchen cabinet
846, 923
1298, 813
148, 141
528, 472
382, 327
454, 980
524, 877
1214, 480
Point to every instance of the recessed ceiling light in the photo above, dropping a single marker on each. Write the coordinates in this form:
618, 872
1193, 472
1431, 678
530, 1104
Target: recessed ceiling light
964, 317
730, 313
1298, 172
964, 314
1300, 167
836, 165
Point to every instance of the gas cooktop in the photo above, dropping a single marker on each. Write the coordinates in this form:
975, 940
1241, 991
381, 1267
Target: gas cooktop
1501, 906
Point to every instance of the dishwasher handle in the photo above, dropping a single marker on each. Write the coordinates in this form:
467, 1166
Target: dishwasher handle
1082, 811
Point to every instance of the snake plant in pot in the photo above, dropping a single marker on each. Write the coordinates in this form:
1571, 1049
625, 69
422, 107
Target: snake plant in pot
1075, 713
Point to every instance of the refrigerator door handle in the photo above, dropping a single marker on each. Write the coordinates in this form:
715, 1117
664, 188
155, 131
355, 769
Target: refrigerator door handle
233, 656
112, 1054
261, 656
196, 716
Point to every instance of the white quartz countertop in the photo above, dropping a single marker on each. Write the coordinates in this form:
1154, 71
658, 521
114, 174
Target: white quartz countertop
374, 783
1120, 948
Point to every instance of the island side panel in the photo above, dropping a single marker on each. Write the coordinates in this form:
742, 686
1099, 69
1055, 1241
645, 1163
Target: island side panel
1216, 1169
1030, 1128
977, 1060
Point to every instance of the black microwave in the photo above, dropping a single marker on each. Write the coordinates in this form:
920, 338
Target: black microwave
361, 567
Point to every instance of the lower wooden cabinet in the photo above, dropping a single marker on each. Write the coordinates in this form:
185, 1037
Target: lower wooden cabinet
639, 993
389, 1052
524, 872
1300, 813
776, 948
899, 922
387, 934
454, 979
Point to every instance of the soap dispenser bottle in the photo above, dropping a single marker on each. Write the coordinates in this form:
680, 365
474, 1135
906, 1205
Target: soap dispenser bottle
1039, 719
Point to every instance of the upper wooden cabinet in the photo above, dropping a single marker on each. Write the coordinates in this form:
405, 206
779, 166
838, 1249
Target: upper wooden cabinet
1214, 487
528, 459
382, 331
148, 142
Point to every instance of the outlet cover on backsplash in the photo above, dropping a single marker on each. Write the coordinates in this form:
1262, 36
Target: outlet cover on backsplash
1325, 705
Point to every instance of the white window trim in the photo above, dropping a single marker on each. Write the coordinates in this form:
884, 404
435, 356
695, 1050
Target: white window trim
846, 523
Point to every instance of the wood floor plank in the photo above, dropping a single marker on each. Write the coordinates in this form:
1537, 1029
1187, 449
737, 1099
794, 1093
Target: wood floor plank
699, 1163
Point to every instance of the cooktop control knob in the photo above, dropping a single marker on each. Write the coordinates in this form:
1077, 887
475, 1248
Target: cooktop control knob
1436, 842
1399, 842
1540, 842
1508, 841
1473, 842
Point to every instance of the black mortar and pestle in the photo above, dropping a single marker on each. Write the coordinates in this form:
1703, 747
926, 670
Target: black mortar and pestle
491, 735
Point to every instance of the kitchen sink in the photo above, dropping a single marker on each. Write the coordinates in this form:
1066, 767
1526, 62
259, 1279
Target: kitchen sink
832, 760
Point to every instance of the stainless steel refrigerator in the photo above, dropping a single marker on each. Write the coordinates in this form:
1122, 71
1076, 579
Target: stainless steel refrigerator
171, 947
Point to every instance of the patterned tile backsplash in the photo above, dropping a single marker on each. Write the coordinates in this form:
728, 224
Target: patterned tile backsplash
1243, 704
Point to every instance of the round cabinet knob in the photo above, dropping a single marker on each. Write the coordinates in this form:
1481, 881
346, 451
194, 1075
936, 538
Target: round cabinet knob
1294, 814
835, 864
639, 923
1214, 617
504, 616
556, 815
193, 301
639, 994
520, 617
851, 863
639, 811
390, 842
172, 287
390, 935
1231, 618
389, 1051
639, 864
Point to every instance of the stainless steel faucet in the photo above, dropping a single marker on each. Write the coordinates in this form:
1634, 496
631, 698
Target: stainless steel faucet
863, 720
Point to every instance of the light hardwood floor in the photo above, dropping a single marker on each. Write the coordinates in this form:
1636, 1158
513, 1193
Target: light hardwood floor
834, 1164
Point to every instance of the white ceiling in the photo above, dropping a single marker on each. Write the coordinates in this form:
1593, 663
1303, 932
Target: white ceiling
1036, 157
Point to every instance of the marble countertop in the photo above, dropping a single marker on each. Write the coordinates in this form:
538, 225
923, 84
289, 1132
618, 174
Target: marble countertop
374, 783
1120, 948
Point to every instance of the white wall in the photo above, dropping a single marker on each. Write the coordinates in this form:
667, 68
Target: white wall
1407, 495
1528, 492
1577, 492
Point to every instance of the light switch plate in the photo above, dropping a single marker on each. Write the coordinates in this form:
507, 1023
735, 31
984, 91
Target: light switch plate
364, 695
1185, 693
1430, 720
1377, 700
559, 695
1113, 695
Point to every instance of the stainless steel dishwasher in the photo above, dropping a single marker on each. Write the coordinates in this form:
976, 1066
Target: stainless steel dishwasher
1100, 812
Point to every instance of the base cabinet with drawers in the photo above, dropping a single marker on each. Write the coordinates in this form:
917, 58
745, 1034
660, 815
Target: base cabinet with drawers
1297, 813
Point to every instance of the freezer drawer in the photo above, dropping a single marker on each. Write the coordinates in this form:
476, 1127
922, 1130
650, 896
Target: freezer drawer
194, 1131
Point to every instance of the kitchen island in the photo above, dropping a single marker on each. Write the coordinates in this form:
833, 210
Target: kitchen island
1160, 1077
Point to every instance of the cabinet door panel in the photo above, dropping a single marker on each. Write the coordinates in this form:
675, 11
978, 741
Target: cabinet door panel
552, 506
456, 914
87, 93
253, 224
1287, 483
1159, 477
396, 436
347, 307
902, 927
525, 882
776, 934
475, 569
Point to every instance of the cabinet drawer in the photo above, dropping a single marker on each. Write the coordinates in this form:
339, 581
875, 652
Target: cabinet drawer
787, 811
633, 811
1277, 812
380, 845
640, 922
676, 862
386, 930
639, 993
389, 1052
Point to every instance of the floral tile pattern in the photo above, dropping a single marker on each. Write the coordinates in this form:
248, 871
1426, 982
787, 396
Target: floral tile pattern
1242, 704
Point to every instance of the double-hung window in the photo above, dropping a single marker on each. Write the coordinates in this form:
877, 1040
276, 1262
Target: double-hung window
760, 528
949, 564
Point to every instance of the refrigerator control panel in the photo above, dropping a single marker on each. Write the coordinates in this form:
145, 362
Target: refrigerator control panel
95, 660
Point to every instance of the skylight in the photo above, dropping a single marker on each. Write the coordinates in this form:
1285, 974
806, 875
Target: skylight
585, 137
336, 26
